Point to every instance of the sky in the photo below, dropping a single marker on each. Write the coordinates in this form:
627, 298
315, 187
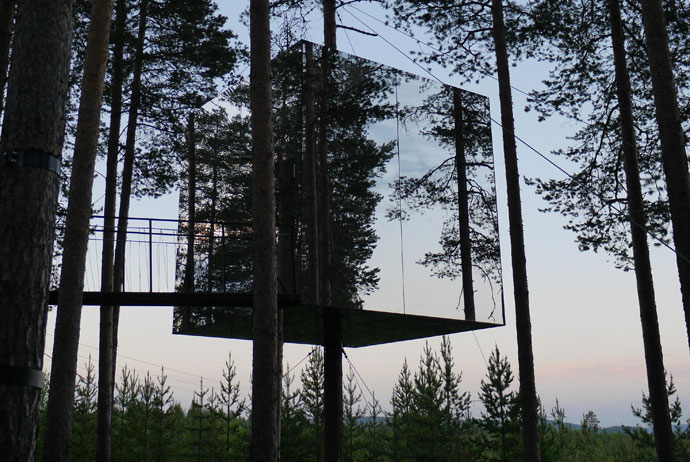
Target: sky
586, 330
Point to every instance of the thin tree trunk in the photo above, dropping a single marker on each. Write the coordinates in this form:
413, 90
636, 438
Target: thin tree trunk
113, 147
463, 208
108, 326
286, 222
332, 351
8, 8
191, 202
663, 433
188, 283
33, 133
212, 236
671, 135
58, 434
265, 368
523, 325
116, 84
310, 176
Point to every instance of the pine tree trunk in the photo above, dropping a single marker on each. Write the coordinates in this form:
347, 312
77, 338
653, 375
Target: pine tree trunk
33, 133
463, 208
188, 282
212, 233
656, 380
107, 268
523, 325
110, 315
671, 135
66, 341
8, 9
323, 195
310, 176
265, 367
332, 351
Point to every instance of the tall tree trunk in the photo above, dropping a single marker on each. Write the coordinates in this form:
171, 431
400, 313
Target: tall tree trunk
463, 208
663, 433
332, 351
212, 234
191, 203
66, 341
107, 268
310, 176
188, 282
265, 367
109, 319
7, 10
523, 325
33, 133
117, 38
673, 156
286, 223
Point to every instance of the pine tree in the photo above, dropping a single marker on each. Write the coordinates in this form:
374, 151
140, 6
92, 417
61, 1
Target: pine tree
352, 412
312, 378
375, 442
32, 138
500, 417
266, 365
125, 402
84, 427
163, 402
231, 405
294, 441
198, 425
589, 423
640, 434
428, 404
468, 39
673, 155
75, 243
8, 9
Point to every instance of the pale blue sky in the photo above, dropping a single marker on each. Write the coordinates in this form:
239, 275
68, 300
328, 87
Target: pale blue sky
585, 318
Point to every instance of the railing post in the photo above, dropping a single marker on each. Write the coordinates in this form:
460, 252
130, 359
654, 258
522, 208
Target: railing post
150, 255
209, 272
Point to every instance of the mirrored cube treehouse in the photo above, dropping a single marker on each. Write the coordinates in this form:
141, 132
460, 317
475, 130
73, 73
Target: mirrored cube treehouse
401, 203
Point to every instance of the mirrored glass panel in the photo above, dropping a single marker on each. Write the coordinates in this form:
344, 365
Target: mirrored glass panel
410, 225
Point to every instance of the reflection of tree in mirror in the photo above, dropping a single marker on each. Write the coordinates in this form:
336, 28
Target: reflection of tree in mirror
462, 185
221, 207
221, 248
359, 99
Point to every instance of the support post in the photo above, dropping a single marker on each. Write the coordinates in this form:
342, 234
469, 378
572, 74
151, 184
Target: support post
150, 255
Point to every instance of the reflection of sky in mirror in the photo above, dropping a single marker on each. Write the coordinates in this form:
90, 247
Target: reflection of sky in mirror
424, 293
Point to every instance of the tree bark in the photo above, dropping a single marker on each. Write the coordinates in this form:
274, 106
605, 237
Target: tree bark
33, 134
310, 176
212, 234
265, 368
113, 154
8, 9
188, 283
523, 325
110, 316
332, 351
656, 380
58, 434
671, 135
463, 208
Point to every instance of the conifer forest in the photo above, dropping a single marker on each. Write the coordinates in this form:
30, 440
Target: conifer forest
430, 418
296, 166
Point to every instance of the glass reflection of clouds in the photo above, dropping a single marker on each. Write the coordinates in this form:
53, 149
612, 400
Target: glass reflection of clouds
377, 114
